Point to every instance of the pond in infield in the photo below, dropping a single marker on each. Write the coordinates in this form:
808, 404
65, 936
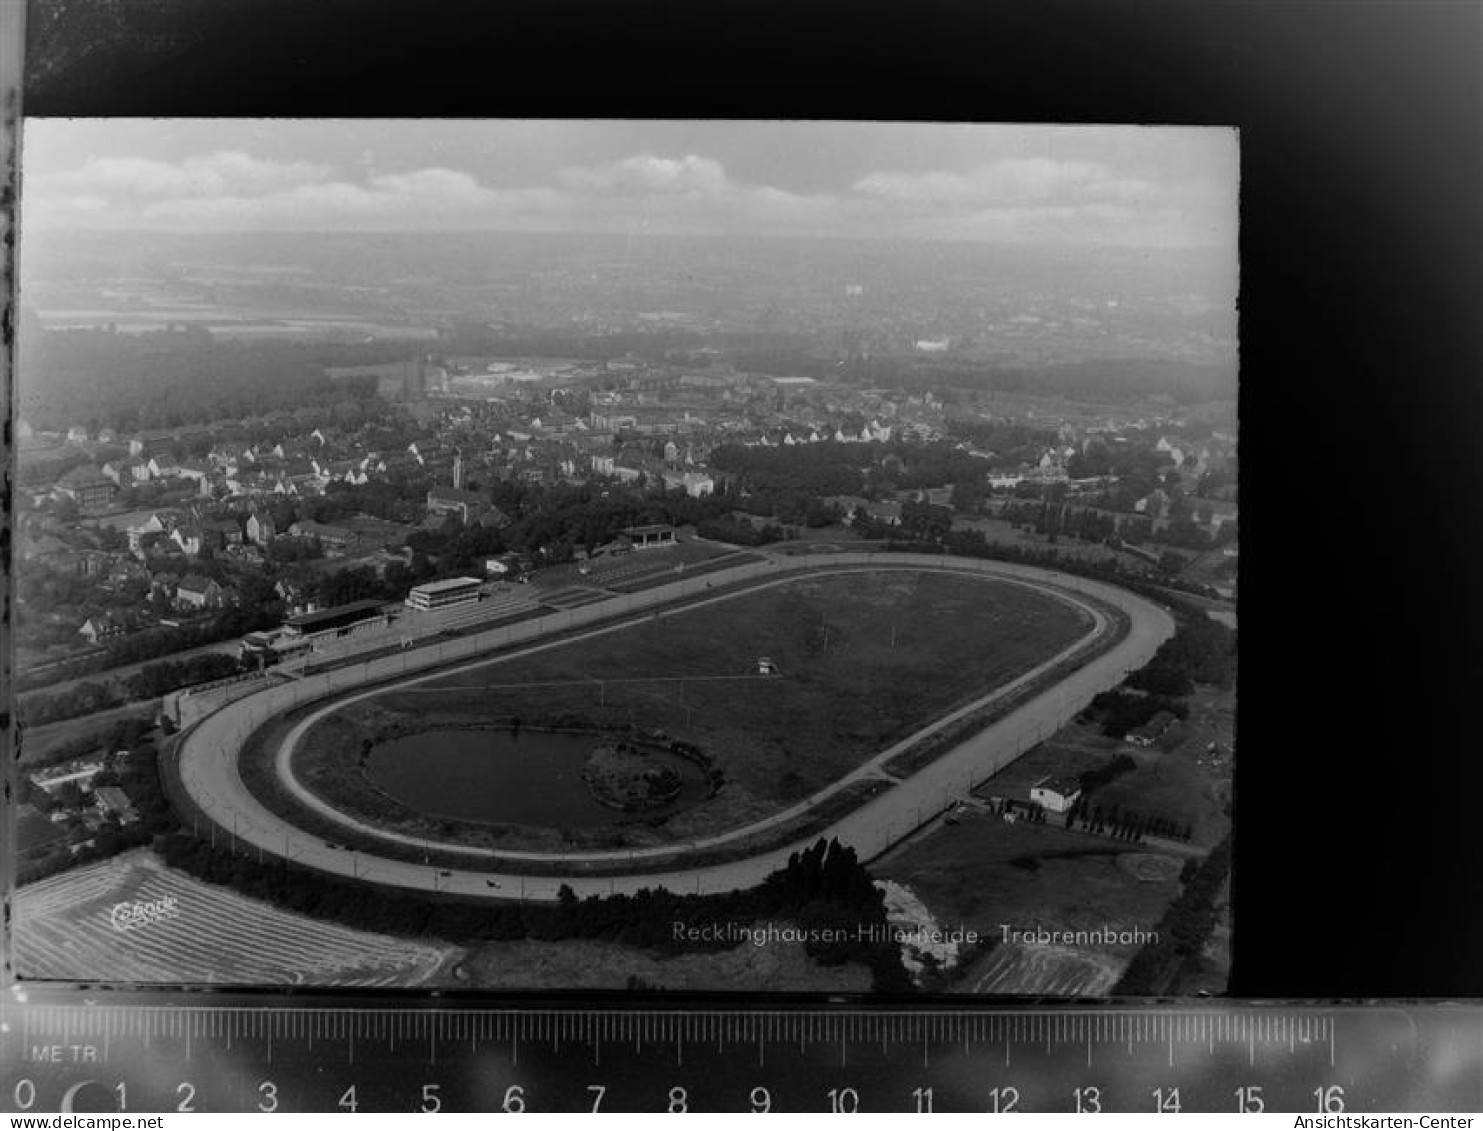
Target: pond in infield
505, 777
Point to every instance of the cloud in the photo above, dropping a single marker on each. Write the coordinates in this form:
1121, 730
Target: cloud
227, 172
1007, 182
1019, 199
231, 190
1038, 200
646, 173
689, 194
417, 200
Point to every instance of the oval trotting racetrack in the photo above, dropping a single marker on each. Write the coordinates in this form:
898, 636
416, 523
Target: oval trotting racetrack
206, 756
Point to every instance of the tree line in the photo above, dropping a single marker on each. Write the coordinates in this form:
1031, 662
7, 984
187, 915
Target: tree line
137, 774
1122, 711
258, 608
168, 379
738, 533
824, 887
150, 682
1124, 824
970, 543
1181, 933
1202, 650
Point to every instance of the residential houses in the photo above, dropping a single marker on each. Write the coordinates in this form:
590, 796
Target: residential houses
657, 428
260, 529
197, 592
109, 626
469, 506
694, 483
334, 539
88, 487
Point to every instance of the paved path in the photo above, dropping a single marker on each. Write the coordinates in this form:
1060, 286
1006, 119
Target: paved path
208, 770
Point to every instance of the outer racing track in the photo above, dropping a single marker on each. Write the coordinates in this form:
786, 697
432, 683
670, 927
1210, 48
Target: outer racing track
206, 756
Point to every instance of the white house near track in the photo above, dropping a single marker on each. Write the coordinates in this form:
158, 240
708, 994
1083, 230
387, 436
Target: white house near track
1056, 794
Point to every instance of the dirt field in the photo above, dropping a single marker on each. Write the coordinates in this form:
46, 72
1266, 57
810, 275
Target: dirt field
67, 927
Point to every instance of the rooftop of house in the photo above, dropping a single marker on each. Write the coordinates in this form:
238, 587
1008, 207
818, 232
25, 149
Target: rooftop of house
85, 476
1062, 784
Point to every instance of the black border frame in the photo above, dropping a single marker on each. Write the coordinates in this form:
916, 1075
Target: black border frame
1362, 286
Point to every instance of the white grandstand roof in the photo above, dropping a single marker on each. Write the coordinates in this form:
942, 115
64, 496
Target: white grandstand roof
432, 587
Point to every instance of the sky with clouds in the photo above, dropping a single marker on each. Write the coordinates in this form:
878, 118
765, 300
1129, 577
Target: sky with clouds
1120, 186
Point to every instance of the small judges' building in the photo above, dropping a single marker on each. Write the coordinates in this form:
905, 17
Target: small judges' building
441, 594
1056, 794
649, 537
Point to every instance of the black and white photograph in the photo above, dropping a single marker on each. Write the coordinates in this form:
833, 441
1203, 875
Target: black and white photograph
627, 555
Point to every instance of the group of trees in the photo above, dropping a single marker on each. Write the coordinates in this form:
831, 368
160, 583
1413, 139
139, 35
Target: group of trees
121, 734
913, 466
1055, 519
398, 496
805, 473
728, 529
257, 608
550, 522
1202, 650
792, 507
1099, 380
168, 379
136, 772
80, 699
150, 682
970, 543
823, 888
1122, 711
1129, 825
1181, 933
154, 680
1141, 463
1015, 443
815, 470
925, 520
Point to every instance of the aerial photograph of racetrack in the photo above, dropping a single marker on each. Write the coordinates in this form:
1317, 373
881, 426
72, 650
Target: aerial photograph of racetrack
830, 590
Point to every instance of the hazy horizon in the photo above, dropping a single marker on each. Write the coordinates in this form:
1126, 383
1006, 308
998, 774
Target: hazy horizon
1078, 187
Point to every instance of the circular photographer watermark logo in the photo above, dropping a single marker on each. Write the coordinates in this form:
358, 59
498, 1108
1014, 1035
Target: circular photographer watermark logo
139, 913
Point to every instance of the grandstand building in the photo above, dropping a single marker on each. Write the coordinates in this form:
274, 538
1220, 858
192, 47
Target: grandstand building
338, 621
442, 594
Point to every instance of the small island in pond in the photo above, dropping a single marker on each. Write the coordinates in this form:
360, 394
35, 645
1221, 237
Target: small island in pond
623, 776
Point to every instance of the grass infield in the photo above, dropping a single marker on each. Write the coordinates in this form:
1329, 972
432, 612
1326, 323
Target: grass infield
864, 659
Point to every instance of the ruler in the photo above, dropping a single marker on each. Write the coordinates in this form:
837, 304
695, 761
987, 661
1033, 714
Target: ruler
132, 1051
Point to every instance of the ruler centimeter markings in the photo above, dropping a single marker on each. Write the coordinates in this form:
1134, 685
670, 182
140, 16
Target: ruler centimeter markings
129, 1050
